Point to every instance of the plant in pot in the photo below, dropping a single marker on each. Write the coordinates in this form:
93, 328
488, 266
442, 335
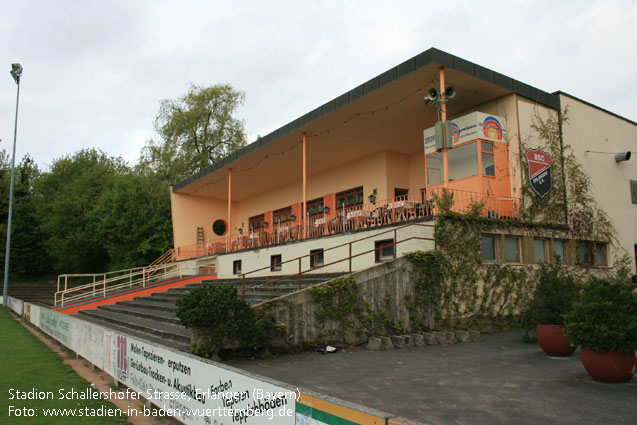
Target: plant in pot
553, 297
604, 323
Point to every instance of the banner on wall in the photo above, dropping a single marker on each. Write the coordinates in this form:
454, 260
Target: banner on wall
476, 125
540, 171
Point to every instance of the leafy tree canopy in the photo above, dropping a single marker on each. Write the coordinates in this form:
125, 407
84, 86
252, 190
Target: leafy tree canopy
196, 130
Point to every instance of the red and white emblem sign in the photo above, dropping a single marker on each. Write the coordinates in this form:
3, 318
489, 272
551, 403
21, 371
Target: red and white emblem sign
540, 171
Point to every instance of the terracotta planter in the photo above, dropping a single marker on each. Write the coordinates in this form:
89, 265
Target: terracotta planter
608, 367
552, 340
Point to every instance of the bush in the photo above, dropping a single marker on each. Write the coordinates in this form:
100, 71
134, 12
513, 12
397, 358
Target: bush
223, 318
553, 297
605, 318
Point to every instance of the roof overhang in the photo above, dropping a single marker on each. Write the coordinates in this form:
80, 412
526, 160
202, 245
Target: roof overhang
384, 113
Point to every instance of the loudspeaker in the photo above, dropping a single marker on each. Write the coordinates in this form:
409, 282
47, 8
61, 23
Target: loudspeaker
623, 156
432, 94
450, 93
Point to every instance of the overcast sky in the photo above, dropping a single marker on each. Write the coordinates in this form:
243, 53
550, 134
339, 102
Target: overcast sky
95, 71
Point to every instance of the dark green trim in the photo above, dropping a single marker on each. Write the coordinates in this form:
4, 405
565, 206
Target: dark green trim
320, 415
425, 58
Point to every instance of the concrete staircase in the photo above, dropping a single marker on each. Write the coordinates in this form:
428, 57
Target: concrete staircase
41, 293
154, 317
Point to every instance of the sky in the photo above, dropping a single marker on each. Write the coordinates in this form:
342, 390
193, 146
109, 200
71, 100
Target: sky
95, 72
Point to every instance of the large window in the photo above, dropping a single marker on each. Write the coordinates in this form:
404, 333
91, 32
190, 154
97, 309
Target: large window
539, 250
463, 161
256, 222
559, 251
592, 254
282, 216
350, 198
435, 170
489, 248
315, 206
512, 249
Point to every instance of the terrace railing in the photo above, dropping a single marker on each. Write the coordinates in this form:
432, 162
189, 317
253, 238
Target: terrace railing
400, 209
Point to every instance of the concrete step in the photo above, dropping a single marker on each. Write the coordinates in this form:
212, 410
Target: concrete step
181, 346
152, 327
146, 313
147, 303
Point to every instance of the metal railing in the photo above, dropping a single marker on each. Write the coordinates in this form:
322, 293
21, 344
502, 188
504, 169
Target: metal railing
399, 209
104, 284
348, 258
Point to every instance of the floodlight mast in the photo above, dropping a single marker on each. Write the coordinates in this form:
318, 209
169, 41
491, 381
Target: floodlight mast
16, 73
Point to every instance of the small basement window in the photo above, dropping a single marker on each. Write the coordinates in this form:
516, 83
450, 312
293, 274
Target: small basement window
275, 263
384, 250
236, 267
316, 258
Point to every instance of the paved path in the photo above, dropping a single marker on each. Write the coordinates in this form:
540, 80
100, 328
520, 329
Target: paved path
498, 381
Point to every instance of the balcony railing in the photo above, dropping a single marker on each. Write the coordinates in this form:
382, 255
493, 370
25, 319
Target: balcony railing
396, 210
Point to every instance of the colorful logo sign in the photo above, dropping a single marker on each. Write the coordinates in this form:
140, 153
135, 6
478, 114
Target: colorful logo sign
491, 128
540, 171
122, 359
455, 130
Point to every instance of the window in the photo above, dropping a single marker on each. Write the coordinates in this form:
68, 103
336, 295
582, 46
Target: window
315, 206
256, 222
488, 162
583, 253
350, 198
600, 255
488, 248
275, 263
539, 250
463, 161
236, 267
401, 194
633, 191
435, 170
592, 253
316, 258
384, 250
511, 249
559, 251
282, 215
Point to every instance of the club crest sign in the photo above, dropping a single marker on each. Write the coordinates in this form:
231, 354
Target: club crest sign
540, 171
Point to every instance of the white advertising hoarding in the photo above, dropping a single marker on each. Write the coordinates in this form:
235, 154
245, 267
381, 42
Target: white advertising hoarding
476, 125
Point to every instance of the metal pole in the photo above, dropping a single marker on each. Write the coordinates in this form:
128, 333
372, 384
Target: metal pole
7, 252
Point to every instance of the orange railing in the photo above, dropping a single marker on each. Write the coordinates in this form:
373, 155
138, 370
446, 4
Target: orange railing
396, 210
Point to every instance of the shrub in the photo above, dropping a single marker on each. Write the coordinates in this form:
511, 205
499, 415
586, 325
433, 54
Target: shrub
554, 295
219, 317
605, 318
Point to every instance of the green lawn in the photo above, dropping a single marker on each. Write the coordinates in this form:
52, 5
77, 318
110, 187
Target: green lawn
28, 364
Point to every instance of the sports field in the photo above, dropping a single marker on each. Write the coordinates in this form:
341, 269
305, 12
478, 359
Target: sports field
36, 387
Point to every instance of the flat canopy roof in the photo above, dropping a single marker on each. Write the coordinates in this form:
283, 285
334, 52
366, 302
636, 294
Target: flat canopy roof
387, 110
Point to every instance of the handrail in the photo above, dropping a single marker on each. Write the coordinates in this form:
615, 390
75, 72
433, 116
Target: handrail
131, 280
350, 257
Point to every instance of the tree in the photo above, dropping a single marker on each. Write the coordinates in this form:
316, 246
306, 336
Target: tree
197, 130
132, 220
28, 256
66, 196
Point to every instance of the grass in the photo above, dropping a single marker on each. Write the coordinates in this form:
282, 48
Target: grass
29, 364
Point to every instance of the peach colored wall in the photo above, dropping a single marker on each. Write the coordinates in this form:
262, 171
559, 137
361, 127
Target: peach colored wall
417, 172
368, 172
189, 211
398, 173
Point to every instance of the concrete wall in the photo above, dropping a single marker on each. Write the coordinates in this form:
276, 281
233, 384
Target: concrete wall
592, 129
392, 280
258, 258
